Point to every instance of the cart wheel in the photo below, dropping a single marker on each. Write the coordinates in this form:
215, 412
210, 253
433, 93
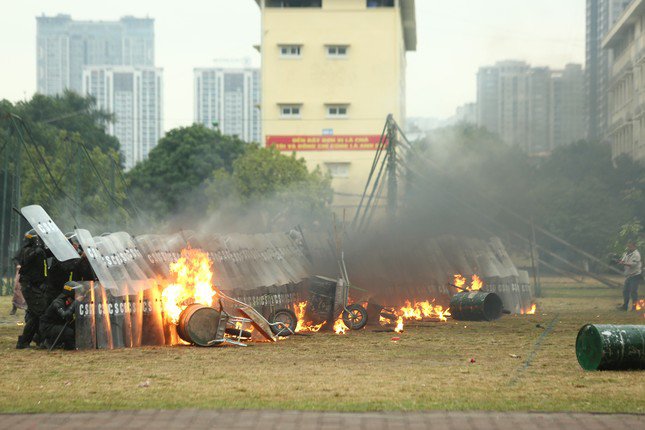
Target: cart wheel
235, 332
355, 317
283, 322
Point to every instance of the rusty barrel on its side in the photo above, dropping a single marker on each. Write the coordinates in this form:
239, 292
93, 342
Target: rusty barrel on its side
198, 324
476, 306
611, 347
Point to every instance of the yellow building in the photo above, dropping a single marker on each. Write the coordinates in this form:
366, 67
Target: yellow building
332, 70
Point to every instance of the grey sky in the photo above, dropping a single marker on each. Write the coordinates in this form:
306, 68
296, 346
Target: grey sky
455, 38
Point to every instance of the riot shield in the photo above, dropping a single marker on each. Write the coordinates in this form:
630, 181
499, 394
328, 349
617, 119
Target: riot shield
49, 232
149, 246
137, 270
143, 268
96, 259
85, 323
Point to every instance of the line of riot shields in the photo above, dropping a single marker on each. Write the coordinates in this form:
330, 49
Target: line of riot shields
395, 270
124, 308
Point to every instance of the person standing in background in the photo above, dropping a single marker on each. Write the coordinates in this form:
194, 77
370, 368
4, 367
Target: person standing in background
633, 271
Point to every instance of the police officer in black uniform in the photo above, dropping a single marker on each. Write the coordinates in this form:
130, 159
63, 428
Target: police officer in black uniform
57, 323
32, 259
61, 272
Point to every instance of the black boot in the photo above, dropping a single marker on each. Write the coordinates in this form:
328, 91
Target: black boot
13, 310
21, 344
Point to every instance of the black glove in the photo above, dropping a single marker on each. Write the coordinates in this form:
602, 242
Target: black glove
68, 315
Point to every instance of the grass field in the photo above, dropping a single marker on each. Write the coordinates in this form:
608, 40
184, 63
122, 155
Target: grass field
428, 369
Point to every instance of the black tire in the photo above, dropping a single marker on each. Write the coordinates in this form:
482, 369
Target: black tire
287, 322
235, 332
355, 317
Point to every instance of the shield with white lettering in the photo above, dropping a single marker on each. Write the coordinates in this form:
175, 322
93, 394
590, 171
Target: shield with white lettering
49, 232
96, 259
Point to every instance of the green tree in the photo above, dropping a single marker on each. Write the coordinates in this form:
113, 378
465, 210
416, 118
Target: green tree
61, 141
172, 179
272, 190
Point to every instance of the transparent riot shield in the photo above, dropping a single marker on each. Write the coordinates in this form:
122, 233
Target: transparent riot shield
49, 232
148, 245
96, 259
102, 318
141, 268
85, 323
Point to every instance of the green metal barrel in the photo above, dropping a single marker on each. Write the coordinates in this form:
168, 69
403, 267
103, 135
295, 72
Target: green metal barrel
476, 306
611, 347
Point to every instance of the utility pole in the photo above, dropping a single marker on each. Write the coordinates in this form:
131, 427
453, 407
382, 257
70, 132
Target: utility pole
535, 261
3, 220
77, 190
392, 182
112, 192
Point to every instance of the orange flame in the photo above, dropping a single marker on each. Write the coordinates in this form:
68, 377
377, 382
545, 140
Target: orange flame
340, 327
302, 327
640, 305
399, 325
192, 277
529, 311
476, 283
425, 309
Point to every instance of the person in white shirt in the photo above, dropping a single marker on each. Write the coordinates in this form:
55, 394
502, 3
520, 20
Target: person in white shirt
633, 271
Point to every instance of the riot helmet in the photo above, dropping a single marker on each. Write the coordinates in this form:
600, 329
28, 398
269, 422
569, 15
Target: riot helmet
70, 288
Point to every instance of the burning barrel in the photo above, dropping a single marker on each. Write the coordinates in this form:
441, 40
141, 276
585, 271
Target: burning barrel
200, 325
611, 347
476, 306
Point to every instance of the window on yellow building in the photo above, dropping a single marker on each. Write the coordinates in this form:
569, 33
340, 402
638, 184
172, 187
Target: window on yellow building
337, 111
293, 3
290, 51
337, 51
380, 3
338, 170
290, 111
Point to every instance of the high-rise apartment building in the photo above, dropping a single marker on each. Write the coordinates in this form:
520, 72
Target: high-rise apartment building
625, 41
601, 15
229, 99
134, 95
65, 46
522, 104
332, 70
568, 106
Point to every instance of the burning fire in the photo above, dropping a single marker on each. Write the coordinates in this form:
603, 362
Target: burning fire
530, 311
191, 283
302, 326
340, 327
425, 309
399, 325
460, 281
475, 284
640, 305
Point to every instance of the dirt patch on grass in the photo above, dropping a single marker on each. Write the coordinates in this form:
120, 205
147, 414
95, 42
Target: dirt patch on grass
429, 368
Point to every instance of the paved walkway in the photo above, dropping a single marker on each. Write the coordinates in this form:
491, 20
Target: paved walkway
295, 420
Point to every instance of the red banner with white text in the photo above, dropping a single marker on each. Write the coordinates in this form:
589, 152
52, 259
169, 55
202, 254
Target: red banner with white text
324, 143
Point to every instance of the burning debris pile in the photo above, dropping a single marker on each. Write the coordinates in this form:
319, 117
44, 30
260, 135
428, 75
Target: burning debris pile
211, 290
420, 269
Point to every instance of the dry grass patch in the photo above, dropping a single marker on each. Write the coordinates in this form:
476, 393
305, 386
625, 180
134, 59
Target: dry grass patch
428, 369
